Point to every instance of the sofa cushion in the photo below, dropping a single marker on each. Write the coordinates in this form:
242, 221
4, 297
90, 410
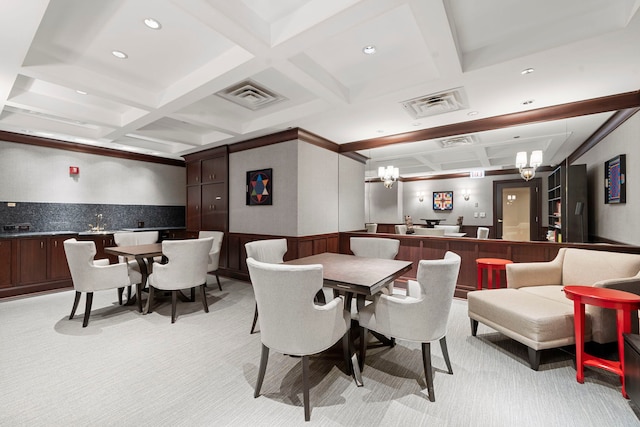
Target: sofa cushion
537, 321
551, 292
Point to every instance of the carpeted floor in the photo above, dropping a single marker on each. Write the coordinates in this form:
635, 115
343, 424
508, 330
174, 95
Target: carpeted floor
127, 369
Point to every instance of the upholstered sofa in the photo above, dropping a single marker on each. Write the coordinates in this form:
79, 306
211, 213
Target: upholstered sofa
533, 309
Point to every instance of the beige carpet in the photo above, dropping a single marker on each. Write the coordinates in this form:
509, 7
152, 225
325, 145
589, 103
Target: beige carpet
126, 369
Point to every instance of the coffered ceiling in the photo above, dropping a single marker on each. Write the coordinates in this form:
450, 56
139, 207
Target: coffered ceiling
218, 71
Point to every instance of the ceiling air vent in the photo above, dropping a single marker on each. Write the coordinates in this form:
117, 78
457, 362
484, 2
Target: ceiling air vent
458, 141
250, 95
437, 103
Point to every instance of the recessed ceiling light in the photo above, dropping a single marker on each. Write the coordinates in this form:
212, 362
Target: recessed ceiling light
380, 131
472, 113
527, 71
152, 23
527, 102
118, 54
81, 92
369, 50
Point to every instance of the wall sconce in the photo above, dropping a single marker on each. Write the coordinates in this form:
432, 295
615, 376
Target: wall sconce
511, 198
528, 172
420, 196
388, 175
466, 194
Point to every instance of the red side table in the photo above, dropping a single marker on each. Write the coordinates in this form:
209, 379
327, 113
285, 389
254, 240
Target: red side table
623, 303
491, 265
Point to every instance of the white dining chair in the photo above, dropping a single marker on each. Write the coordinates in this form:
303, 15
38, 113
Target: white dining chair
371, 227
271, 251
400, 229
89, 275
291, 323
214, 255
134, 238
482, 233
425, 231
186, 268
419, 316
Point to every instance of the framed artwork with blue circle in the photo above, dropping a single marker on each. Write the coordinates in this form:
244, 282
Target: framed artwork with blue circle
260, 187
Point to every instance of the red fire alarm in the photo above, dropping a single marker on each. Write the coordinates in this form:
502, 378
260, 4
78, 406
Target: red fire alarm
74, 170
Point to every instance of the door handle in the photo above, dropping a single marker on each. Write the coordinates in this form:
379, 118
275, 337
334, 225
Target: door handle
499, 220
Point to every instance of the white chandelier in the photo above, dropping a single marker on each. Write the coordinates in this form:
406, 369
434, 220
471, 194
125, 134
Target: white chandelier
528, 172
388, 175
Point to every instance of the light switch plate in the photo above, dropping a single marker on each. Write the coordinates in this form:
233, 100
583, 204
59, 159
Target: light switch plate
482, 214
475, 214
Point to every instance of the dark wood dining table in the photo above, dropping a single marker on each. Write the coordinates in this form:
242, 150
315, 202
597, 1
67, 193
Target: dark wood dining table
354, 275
144, 255
357, 276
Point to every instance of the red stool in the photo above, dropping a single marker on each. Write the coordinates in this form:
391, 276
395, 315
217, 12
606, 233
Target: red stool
491, 265
623, 303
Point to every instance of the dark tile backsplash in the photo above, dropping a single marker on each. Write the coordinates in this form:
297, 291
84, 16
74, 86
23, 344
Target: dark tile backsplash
77, 217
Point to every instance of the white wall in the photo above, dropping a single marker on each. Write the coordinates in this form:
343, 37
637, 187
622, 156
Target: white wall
30, 173
618, 222
351, 194
280, 218
318, 178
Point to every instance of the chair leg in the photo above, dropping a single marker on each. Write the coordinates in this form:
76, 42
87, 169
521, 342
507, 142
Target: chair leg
218, 280
474, 327
445, 353
139, 296
174, 302
264, 358
120, 291
305, 387
87, 310
428, 370
193, 294
346, 350
150, 300
203, 294
76, 300
128, 293
255, 319
364, 340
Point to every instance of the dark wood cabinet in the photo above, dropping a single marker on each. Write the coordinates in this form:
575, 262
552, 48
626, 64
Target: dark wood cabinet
214, 170
32, 260
194, 203
567, 203
57, 261
193, 173
102, 241
5, 262
214, 207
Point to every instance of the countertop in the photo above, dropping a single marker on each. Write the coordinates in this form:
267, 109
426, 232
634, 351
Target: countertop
79, 233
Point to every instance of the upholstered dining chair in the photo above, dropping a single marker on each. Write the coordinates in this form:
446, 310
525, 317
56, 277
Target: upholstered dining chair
375, 247
270, 251
133, 238
420, 316
89, 275
186, 268
371, 227
400, 229
290, 322
482, 233
214, 255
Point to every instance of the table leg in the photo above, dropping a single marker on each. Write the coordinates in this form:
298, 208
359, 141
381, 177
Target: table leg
490, 277
497, 273
624, 326
578, 318
479, 278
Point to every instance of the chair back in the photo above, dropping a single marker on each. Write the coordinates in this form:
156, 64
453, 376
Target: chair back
371, 227
134, 238
437, 279
290, 322
214, 254
483, 233
424, 231
186, 266
271, 251
87, 276
400, 229
374, 247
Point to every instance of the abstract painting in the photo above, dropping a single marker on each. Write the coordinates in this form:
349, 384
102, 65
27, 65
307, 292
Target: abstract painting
260, 187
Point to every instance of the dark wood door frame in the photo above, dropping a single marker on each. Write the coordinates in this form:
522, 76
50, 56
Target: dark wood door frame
535, 213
